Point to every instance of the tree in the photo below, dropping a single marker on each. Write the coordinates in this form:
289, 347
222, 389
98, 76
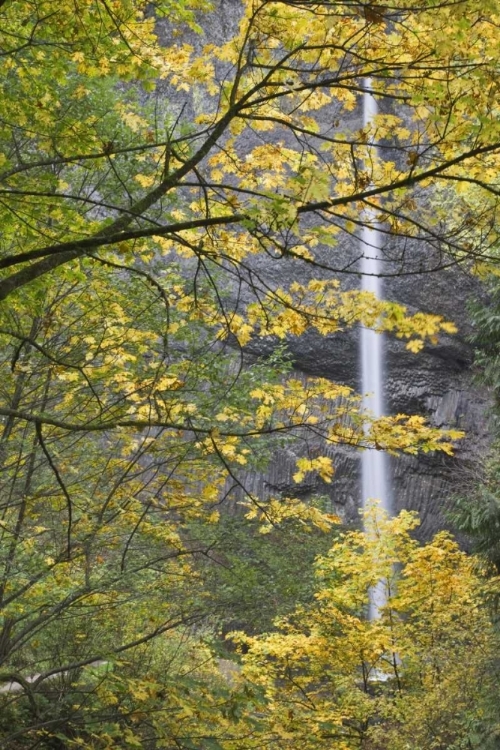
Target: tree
421, 675
253, 577
476, 511
130, 285
96, 522
289, 61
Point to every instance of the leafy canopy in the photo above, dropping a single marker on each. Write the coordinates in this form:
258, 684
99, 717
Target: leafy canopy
141, 185
418, 676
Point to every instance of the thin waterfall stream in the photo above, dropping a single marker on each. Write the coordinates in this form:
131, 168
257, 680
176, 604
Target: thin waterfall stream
374, 463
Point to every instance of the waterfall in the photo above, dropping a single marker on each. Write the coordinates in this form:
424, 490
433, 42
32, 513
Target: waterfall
374, 464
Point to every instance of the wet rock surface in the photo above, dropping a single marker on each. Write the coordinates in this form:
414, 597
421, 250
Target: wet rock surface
437, 382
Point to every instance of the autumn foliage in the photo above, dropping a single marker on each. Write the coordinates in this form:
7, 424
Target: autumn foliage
416, 676
142, 183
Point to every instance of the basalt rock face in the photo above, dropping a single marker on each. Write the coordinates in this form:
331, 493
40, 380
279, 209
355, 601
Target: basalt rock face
437, 383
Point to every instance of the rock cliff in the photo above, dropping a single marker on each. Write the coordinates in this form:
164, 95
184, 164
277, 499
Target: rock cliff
438, 382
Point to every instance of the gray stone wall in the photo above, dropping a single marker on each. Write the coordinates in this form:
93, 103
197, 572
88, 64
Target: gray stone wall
438, 382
